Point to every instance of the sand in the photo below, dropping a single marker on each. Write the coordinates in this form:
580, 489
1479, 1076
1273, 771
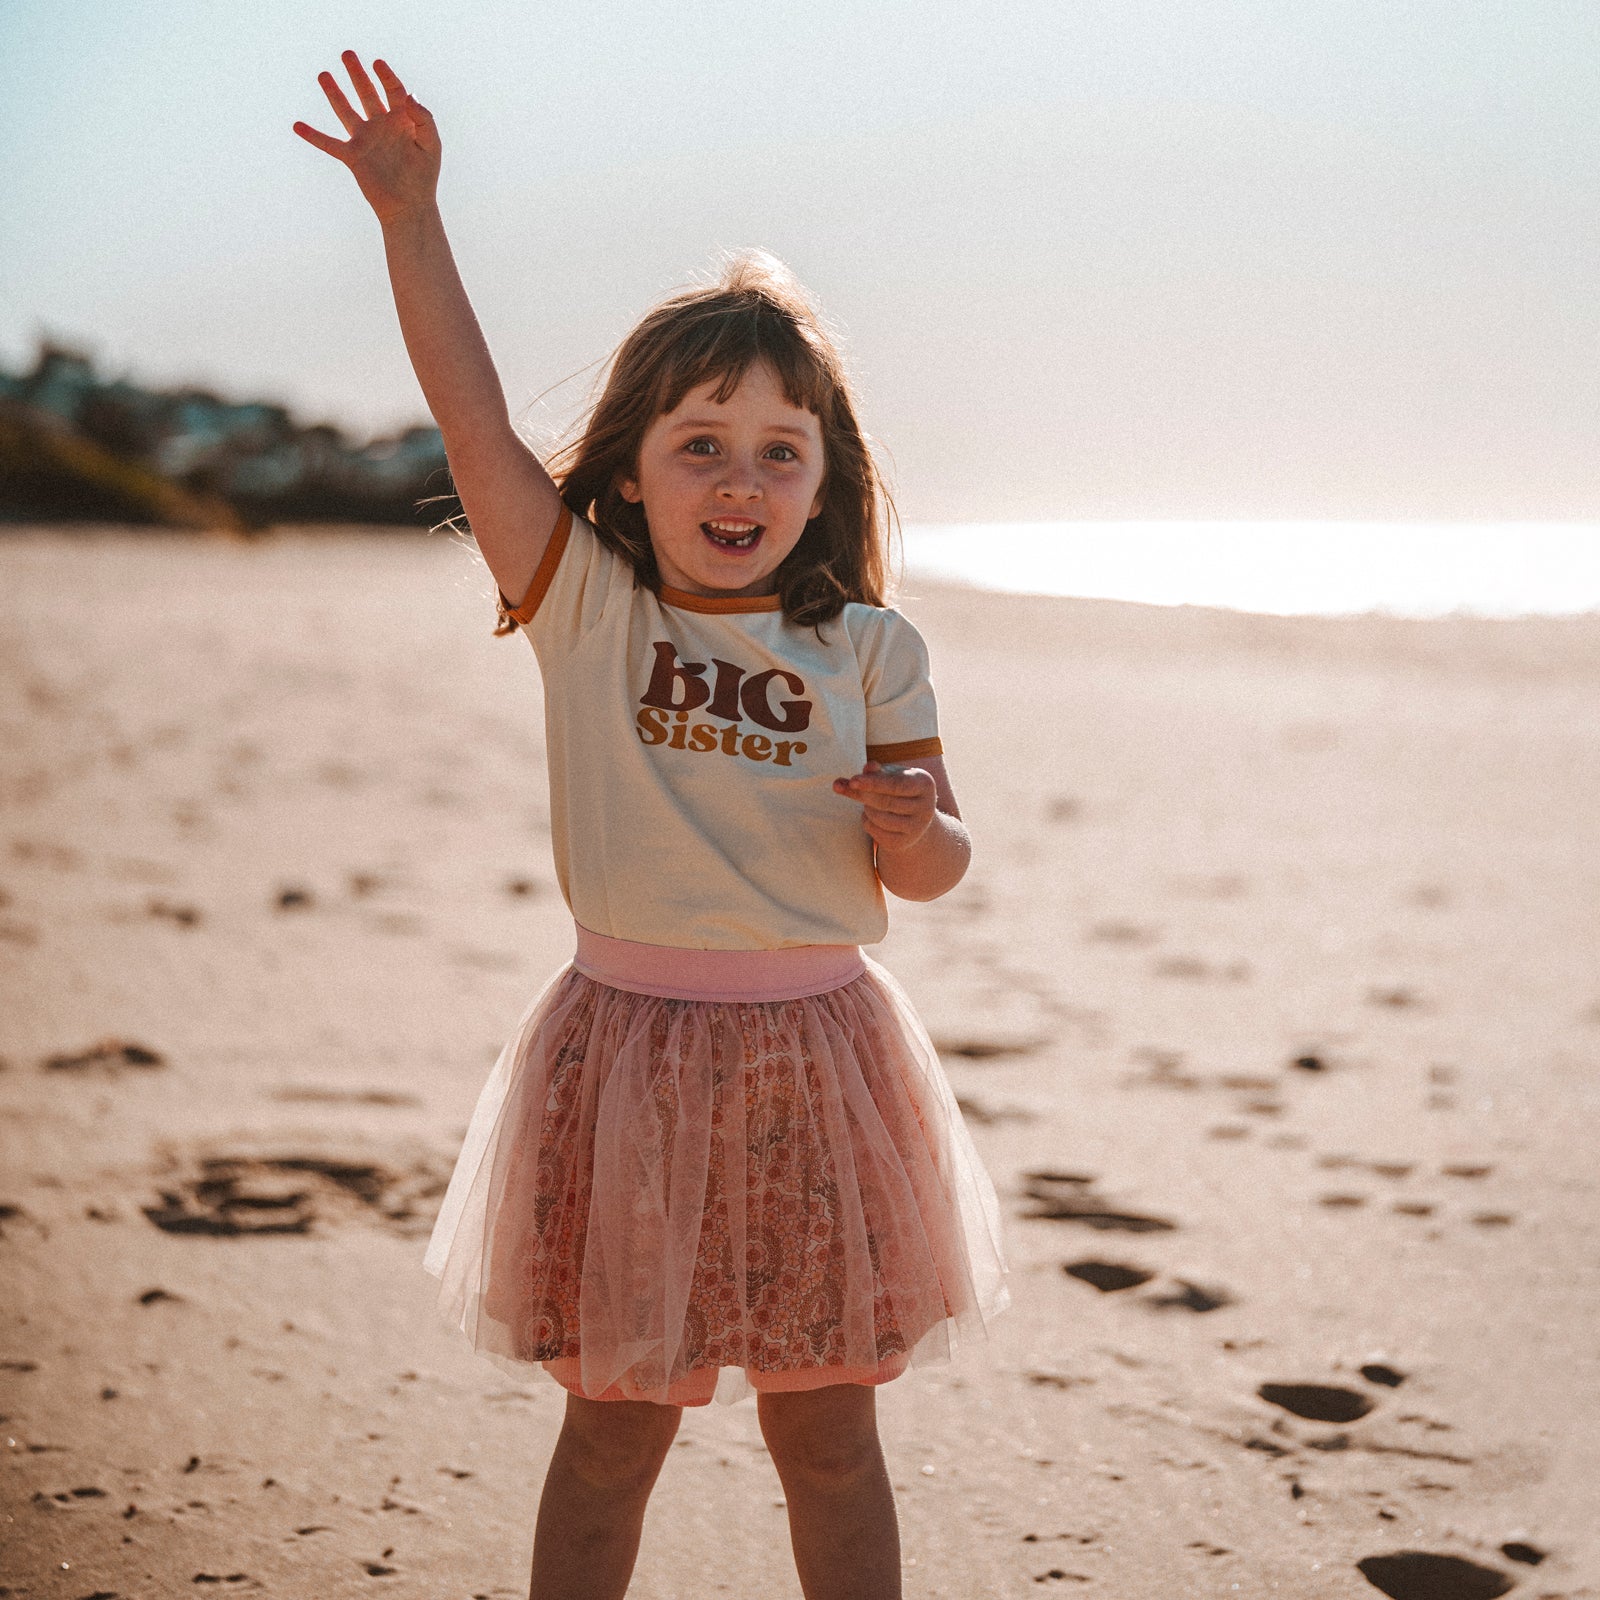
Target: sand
1273, 997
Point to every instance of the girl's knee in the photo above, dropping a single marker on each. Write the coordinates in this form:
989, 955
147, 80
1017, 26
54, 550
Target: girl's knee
829, 1437
618, 1444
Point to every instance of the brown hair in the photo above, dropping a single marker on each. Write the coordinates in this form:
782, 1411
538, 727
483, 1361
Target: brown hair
755, 311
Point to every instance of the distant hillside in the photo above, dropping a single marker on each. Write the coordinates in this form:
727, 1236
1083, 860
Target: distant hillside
78, 448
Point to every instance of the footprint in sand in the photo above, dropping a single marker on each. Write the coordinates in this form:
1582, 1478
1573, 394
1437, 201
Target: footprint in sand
1164, 1070
1064, 1197
1395, 996
183, 916
1134, 933
345, 1097
985, 1116
15, 1213
1189, 1297
1194, 967
105, 1055
69, 1498
1212, 886
1421, 1575
230, 1196
1107, 1276
1112, 1277
972, 1049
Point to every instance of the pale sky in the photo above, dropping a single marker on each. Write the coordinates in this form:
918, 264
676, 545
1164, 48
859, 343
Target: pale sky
1091, 258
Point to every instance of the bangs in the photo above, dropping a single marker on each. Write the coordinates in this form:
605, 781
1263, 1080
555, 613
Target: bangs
727, 340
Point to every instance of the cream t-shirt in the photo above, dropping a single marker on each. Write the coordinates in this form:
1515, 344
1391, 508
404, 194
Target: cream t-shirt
692, 748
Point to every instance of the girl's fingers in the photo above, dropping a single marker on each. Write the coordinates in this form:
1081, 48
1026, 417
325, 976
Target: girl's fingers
342, 108
371, 101
334, 147
392, 85
896, 808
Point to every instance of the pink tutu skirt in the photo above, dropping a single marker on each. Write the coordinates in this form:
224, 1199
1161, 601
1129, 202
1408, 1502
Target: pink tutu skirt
694, 1173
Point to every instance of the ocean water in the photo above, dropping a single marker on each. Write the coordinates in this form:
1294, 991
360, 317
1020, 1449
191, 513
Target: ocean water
1501, 569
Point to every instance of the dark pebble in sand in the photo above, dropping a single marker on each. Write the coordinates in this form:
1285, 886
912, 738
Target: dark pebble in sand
292, 899
1517, 1551
521, 886
1318, 1402
150, 1296
1420, 1575
1107, 1276
1376, 1372
1310, 1063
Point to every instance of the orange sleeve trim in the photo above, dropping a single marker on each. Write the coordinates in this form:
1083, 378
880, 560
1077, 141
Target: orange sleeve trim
513, 617
905, 750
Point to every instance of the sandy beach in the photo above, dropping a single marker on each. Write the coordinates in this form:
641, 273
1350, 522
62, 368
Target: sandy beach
1272, 997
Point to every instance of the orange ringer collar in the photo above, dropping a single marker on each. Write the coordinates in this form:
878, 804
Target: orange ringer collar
718, 604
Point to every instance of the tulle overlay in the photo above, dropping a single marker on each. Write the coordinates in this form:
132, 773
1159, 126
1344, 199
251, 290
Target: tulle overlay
669, 1199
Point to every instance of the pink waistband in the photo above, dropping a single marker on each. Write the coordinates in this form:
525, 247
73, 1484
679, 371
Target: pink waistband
749, 975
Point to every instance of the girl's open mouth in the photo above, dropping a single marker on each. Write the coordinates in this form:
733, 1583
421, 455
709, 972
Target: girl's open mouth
733, 533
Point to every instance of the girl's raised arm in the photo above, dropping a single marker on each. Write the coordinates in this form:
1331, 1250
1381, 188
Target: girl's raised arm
393, 153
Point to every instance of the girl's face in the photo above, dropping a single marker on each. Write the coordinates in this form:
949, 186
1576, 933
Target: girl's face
728, 488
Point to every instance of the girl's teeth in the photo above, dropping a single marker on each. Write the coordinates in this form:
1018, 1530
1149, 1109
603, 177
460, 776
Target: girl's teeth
726, 536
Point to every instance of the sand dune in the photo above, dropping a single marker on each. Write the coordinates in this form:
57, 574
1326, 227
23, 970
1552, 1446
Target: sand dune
1273, 999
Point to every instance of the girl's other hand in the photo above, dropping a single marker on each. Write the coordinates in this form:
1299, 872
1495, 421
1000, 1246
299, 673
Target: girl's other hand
393, 151
897, 803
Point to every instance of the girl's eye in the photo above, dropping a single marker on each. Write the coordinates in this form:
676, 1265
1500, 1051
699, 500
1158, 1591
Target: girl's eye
789, 454
693, 446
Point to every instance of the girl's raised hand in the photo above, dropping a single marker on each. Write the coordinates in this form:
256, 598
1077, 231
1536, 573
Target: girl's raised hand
393, 151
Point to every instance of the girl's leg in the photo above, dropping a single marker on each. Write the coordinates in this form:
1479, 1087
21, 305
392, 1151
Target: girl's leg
824, 1443
592, 1509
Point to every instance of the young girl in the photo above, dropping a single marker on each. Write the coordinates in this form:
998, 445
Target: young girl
719, 1153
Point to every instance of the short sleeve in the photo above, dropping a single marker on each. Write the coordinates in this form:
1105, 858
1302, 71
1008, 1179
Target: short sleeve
902, 715
569, 589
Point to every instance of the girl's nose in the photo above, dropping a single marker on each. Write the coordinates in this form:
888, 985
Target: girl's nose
739, 482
